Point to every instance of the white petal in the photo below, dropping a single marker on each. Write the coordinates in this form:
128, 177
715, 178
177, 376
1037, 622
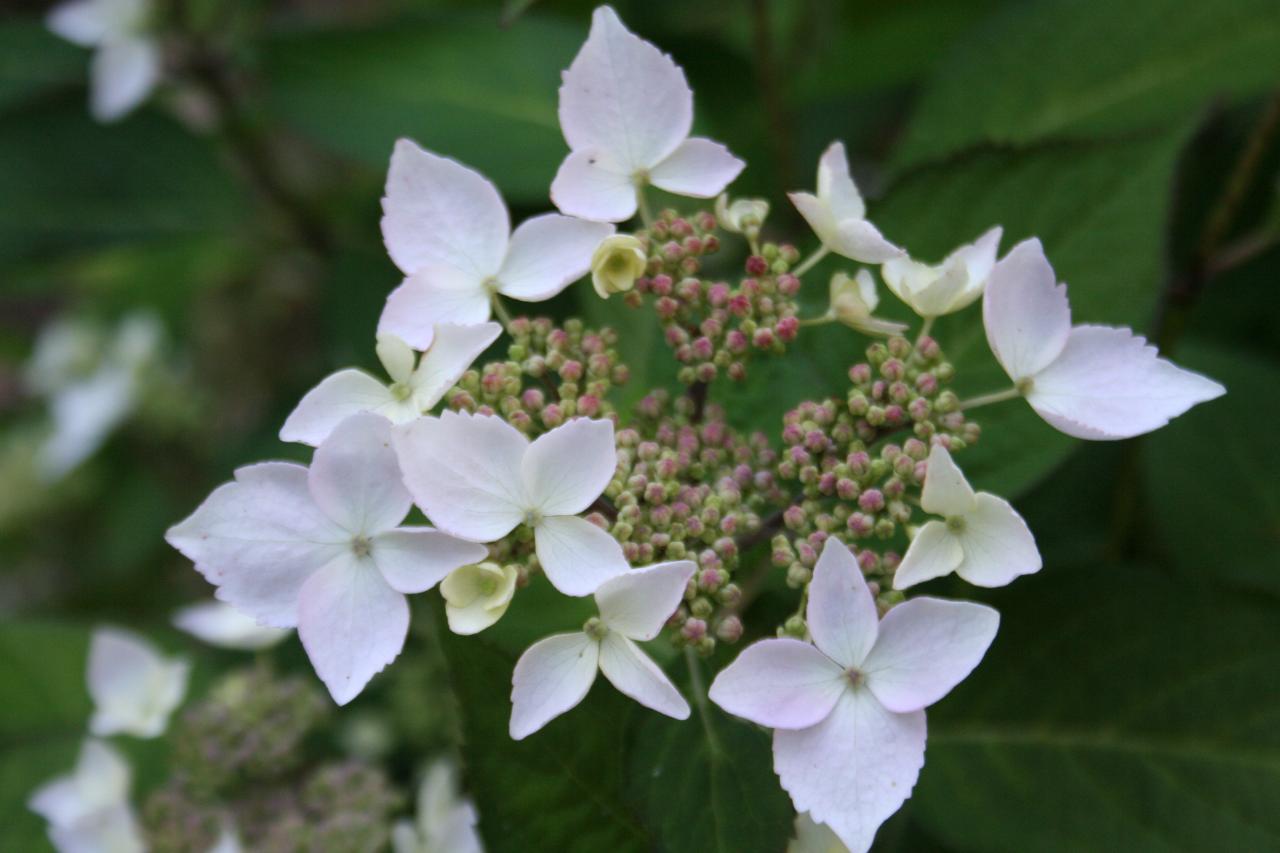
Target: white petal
978, 258
438, 212
926, 647
134, 687
933, 552
1109, 383
577, 556
471, 607
624, 97
219, 624
782, 684
816, 212
1025, 311
548, 253
464, 472
99, 781
836, 187
591, 186
566, 469
637, 676
414, 559
337, 397
397, 357
351, 623
552, 676
430, 297
110, 830
946, 491
259, 538
82, 22
355, 477
700, 168
859, 240
84, 414
639, 602
998, 545
841, 613
453, 348
855, 768
123, 73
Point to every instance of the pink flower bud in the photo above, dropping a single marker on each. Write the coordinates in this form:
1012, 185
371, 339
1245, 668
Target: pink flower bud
694, 630
757, 265
730, 629
788, 285
872, 500
788, 328
763, 338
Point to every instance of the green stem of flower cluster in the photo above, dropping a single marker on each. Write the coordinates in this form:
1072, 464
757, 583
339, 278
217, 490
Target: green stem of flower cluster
699, 690
642, 202
500, 311
811, 261
925, 328
987, 399
819, 321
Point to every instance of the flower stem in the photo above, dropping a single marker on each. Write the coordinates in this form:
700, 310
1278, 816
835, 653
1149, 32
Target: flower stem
642, 202
987, 399
925, 328
811, 261
500, 311
700, 699
818, 321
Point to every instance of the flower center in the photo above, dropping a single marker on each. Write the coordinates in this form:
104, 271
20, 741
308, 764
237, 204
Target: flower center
490, 285
855, 676
955, 524
533, 517
1025, 385
594, 628
361, 546
640, 177
401, 391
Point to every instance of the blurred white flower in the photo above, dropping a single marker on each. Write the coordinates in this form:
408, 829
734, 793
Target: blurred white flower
134, 687
445, 822
126, 60
219, 624
854, 299
88, 809
742, 215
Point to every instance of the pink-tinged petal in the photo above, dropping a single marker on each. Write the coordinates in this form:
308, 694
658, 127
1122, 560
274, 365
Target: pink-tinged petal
637, 676
700, 168
835, 185
336, 398
782, 684
453, 349
591, 186
638, 603
1025, 311
577, 556
122, 74
817, 214
134, 688
433, 296
83, 22
946, 491
842, 615
855, 768
933, 552
1109, 383
259, 538
355, 477
552, 676
414, 559
548, 253
438, 212
623, 96
859, 240
464, 472
351, 623
219, 624
569, 467
998, 545
926, 647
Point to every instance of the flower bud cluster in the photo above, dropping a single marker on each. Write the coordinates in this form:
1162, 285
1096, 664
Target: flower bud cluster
711, 326
551, 374
686, 490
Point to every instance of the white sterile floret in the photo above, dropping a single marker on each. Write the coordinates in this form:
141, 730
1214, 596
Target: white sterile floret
742, 215
956, 283
554, 674
445, 821
626, 112
838, 215
88, 809
854, 299
1095, 382
981, 537
126, 62
848, 712
447, 229
417, 384
321, 548
478, 595
478, 477
219, 624
134, 687
813, 837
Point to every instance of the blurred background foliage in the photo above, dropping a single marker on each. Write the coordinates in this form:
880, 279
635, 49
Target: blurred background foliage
1130, 702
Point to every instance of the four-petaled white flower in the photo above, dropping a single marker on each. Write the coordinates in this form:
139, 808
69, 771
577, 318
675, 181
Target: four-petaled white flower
813, 837
848, 718
1095, 382
854, 299
445, 821
219, 624
88, 809
476, 596
478, 477
554, 674
321, 548
626, 112
448, 230
414, 388
742, 215
956, 283
134, 688
126, 62
982, 538
838, 215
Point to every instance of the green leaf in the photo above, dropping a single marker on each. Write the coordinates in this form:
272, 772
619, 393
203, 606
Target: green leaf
1212, 478
461, 86
34, 62
1067, 68
1118, 710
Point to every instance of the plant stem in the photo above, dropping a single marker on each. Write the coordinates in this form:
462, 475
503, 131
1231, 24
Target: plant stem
925, 328
988, 399
811, 261
700, 699
818, 321
500, 311
642, 202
